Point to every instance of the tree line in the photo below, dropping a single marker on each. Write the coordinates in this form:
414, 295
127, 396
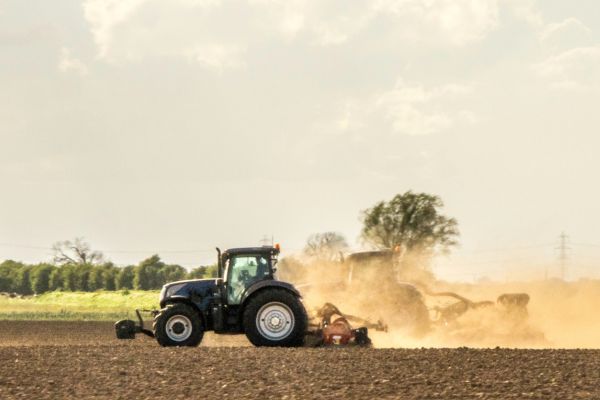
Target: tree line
151, 273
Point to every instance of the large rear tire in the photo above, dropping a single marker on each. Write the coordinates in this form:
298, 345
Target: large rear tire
275, 318
178, 325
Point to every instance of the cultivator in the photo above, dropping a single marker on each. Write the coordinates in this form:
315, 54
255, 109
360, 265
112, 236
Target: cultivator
330, 327
513, 304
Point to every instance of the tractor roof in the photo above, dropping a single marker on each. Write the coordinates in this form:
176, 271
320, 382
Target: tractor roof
370, 255
251, 250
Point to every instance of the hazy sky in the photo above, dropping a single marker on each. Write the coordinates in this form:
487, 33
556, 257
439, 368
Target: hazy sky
154, 126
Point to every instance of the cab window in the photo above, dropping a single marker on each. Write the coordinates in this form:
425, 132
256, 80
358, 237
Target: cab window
243, 271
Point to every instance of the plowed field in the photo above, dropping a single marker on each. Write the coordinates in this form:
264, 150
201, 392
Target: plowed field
58, 360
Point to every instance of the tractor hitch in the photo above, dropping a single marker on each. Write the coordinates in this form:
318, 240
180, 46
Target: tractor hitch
126, 328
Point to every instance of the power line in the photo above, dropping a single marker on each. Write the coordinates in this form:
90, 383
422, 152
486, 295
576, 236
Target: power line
26, 246
159, 251
498, 250
585, 244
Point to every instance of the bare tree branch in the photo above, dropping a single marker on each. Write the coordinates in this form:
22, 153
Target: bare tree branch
77, 252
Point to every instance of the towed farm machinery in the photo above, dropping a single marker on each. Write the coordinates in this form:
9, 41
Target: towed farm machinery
378, 283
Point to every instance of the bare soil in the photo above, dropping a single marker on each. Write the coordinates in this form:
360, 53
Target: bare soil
49, 360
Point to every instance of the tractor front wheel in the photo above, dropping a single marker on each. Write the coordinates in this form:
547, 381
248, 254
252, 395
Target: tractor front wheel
275, 317
178, 325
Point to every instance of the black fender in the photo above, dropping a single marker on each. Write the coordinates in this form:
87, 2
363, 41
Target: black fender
267, 284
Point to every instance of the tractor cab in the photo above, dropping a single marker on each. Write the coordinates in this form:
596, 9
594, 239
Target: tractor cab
241, 268
370, 265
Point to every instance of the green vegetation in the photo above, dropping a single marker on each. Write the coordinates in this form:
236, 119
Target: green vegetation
411, 220
149, 274
97, 306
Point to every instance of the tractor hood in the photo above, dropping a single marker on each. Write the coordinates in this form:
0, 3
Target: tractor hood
186, 289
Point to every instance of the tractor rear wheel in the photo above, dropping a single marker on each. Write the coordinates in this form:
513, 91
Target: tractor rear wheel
178, 325
275, 318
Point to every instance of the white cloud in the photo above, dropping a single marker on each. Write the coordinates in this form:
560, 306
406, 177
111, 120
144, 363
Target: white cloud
410, 109
351, 118
574, 60
568, 25
286, 17
569, 34
458, 22
577, 68
67, 63
217, 57
131, 29
526, 10
453, 22
104, 15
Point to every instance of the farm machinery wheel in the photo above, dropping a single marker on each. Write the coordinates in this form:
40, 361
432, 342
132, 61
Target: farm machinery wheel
275, 317
178, 325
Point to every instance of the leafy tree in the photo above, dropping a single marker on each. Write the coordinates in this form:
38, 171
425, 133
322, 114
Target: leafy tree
22, 282
171, 273
125, 278
325, 246
148, 274
5, 283
56, 279
212, 271
76, 252
9, 271
411, 220
96, 278
197, 273
109, 275
69, 278
82, 273
40, 278
203, 272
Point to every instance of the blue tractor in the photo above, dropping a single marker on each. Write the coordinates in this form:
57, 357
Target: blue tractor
244, 298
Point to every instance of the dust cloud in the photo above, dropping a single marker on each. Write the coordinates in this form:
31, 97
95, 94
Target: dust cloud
423, 311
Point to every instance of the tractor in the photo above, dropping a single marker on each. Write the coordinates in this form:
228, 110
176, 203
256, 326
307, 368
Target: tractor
244, 298
400, 300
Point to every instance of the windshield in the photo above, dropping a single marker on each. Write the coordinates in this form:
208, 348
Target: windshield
243, 271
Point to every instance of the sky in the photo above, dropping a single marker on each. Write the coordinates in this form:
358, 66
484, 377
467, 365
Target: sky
174, 126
